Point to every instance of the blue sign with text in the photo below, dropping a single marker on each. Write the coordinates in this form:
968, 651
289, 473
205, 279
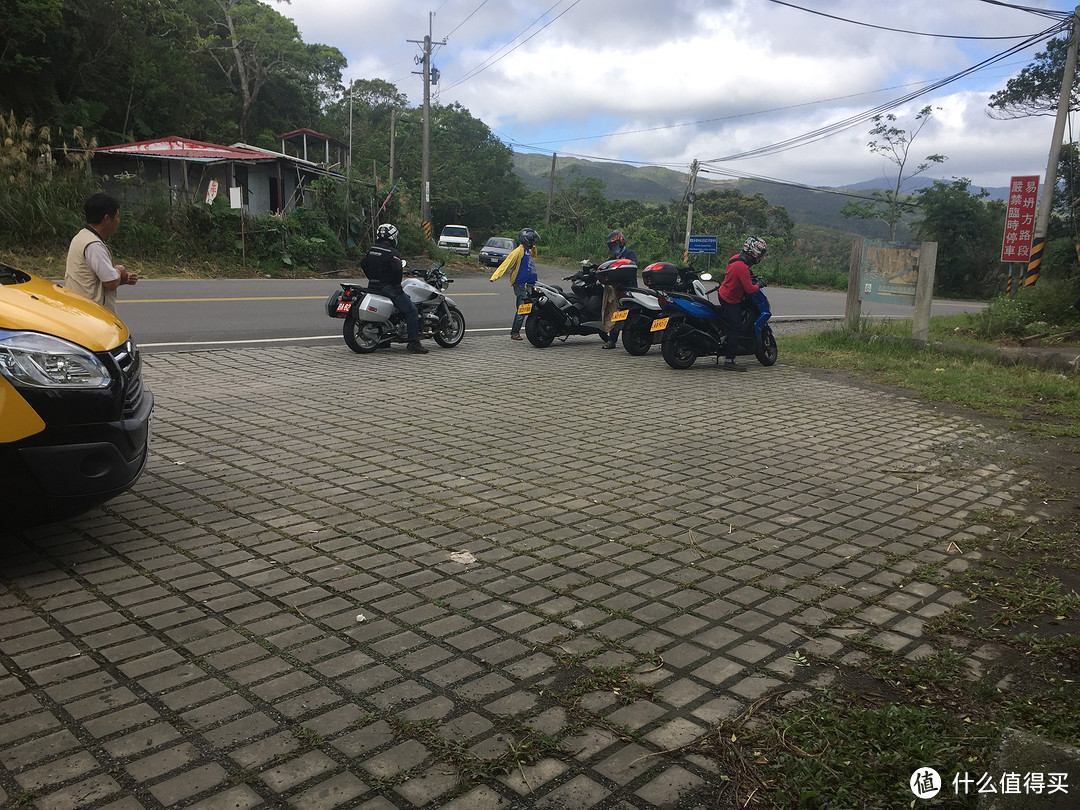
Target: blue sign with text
701, 244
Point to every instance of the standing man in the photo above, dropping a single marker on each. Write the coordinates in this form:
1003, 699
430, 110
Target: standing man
383, 266
521, 266
616, 243
737, 283
90, 270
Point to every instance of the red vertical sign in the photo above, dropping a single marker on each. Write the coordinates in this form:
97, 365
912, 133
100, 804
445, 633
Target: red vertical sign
1020, 219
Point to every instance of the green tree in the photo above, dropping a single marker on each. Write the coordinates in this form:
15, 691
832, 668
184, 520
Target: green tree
894, 144
1035, 89
253, 45
731, 216
967, 228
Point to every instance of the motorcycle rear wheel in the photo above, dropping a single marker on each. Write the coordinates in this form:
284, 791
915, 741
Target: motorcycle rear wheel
540, 331
767, 351
678, 352
451, 329
637, 339
363, 337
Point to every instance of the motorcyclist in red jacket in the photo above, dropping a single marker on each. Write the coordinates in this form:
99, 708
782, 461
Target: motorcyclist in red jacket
737, 283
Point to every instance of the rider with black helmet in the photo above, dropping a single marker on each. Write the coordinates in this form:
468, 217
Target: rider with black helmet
520, 265
383, 266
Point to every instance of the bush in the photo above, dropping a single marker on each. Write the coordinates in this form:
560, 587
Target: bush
1048, 304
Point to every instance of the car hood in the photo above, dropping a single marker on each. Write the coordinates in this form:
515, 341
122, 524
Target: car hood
43, 306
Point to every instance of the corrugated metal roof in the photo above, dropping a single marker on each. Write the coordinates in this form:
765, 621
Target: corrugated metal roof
184, 149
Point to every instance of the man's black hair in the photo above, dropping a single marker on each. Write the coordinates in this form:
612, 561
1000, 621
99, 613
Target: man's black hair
98, 206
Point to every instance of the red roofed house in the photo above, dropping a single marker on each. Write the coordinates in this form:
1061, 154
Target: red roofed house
268, 182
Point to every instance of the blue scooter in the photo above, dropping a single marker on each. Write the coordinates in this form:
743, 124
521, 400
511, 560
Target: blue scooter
694, 327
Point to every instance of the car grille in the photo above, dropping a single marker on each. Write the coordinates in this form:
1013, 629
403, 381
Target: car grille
126, 357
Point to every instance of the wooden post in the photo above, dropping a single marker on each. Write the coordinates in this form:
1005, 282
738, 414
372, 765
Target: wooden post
924, 290
853, 307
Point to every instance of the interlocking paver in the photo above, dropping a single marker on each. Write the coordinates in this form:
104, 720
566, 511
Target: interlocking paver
199, 636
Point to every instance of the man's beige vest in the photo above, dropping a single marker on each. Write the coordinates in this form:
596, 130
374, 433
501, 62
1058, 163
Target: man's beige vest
80, 277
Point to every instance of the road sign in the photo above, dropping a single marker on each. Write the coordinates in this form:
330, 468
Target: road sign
701, 244
1020, 219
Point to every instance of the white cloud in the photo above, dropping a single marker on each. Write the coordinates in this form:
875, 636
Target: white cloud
670, 82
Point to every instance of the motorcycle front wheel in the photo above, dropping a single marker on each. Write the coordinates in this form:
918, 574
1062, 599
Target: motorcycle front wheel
361, 336
766, 351
678, 351
451, 329
637, 338
540, 331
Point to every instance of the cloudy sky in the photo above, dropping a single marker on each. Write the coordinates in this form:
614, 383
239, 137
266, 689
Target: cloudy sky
664, 82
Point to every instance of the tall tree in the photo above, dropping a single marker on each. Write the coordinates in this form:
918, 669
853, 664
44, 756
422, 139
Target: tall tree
967, 228
893, 143
251, 44
1035, 89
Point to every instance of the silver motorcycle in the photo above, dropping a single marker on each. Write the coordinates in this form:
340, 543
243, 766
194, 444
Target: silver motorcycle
372, 320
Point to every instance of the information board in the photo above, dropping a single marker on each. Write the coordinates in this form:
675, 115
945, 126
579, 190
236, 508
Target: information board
889, 272
701, 244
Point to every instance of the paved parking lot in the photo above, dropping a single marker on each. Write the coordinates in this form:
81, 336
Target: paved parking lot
490, 577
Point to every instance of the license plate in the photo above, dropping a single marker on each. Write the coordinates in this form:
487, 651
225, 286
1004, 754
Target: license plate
524, 309
619, 315
344, 306
659, 325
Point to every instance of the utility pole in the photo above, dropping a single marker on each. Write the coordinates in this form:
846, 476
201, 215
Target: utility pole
1042, 222
393, 137
425, 191
690, 196
551, 189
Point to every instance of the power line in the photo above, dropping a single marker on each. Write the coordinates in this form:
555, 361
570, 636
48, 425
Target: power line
847, 123
897, 30
476, 71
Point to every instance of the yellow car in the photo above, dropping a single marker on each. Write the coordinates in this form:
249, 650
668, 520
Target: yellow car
74, 414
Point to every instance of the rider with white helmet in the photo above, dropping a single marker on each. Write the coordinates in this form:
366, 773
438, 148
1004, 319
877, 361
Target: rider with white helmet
383, 266
737, 283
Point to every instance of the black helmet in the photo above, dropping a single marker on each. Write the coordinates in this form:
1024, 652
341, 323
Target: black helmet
616, 240
528, 237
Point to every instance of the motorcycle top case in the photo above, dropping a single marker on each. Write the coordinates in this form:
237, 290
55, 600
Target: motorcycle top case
618, 272
374, 307
661, 276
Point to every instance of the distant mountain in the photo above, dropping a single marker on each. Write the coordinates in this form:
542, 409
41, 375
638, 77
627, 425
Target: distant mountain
806, 206
915, 183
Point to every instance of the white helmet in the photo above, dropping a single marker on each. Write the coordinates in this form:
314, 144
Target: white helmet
387, 233
755, 248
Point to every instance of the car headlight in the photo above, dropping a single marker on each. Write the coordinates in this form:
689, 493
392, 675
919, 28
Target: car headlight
46, 361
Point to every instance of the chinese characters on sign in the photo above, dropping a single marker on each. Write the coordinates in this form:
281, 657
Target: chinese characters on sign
1020, 219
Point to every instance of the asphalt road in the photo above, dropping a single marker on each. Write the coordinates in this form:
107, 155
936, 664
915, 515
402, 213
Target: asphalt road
179, 314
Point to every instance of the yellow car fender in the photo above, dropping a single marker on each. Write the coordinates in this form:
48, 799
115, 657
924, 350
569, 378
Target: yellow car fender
20, 420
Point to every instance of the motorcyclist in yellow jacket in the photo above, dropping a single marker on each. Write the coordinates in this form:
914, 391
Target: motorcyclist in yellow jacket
521, 267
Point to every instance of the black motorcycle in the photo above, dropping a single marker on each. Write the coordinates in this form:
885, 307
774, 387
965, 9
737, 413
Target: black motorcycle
556, 313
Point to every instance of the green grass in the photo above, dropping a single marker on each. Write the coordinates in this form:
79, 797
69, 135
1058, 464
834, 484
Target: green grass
1043, 402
